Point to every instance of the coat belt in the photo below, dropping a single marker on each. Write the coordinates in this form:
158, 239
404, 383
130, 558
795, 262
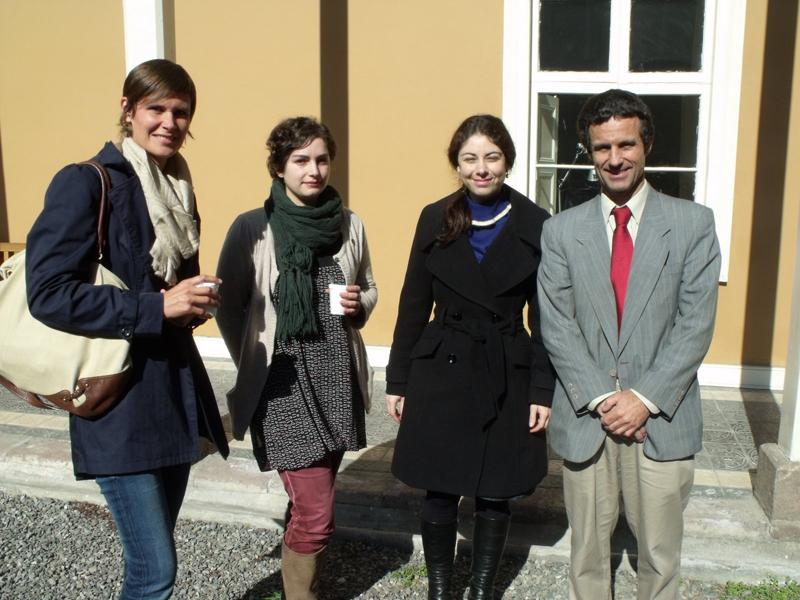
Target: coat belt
490, 345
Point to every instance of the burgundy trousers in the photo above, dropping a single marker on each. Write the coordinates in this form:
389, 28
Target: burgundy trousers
309, 516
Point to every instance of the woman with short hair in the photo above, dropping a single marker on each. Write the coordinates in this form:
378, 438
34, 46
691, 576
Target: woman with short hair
140, 451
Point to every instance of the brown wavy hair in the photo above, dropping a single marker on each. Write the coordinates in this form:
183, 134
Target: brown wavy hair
290, 135
457, 217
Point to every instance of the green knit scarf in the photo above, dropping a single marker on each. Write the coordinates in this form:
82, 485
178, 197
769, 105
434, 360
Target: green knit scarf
300, 233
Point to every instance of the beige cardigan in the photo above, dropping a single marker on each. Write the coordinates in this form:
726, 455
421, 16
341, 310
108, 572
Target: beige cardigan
246, 314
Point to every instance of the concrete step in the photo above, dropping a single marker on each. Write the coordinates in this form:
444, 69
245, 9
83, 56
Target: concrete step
726, 533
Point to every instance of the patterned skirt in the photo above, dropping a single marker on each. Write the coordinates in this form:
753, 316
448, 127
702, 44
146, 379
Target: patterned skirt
311, 405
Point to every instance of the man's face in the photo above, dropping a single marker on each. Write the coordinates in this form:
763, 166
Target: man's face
618, 155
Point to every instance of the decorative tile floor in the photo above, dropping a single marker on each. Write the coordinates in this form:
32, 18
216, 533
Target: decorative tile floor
736, 422
734, 428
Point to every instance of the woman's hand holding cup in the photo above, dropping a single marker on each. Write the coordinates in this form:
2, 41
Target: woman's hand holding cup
345, 299
193, 298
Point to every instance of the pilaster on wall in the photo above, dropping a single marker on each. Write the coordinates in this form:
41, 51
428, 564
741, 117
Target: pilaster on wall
144, 31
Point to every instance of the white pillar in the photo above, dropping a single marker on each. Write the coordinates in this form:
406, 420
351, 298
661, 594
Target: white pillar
789, 433
144, 31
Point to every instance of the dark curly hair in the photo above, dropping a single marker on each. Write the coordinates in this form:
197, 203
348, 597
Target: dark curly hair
615, 103
291, 134
156, 79
457, 216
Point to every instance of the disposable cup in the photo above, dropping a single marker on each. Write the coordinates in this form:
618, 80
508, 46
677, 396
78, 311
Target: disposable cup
336, 300
210, 310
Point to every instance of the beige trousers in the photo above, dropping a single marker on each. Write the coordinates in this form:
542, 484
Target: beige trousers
654, 495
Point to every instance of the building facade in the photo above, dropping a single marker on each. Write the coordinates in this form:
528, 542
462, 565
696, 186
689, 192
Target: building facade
394, 79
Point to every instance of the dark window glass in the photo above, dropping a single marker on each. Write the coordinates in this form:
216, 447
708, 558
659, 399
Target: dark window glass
574, 34
666, 35
676, 119
577, 186
675, 145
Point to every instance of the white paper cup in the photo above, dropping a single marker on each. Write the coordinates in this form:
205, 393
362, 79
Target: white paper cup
336, 300
210, 310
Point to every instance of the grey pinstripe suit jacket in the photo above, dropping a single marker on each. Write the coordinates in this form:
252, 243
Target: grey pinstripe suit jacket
666, 326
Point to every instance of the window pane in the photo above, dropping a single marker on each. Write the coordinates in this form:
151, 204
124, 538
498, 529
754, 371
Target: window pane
575, 186
675, 145
558, 114
573, 35
676, 119
679, 184
666, 35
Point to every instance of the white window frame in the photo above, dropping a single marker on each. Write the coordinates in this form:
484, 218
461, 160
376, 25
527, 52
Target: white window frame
718, 84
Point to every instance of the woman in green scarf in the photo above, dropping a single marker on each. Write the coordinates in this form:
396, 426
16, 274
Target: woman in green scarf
297, 287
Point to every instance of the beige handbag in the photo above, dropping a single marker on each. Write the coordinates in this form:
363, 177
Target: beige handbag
50, 368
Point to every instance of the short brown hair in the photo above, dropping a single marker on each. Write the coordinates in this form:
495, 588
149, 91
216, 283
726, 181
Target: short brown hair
157, 78
615, 103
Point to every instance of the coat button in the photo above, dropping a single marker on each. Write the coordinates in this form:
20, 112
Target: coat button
452, 359
126, 332
495, 318
456, 316
613, 372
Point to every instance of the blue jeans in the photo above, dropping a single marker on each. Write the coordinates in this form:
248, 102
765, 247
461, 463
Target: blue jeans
145, 508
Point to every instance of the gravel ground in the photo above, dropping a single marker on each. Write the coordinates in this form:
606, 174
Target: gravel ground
51, 549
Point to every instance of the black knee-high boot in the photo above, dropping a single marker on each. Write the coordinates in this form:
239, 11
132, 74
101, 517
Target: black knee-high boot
488, 542
439, 544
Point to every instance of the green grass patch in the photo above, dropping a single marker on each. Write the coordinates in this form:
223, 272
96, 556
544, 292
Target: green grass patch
410, 574
771, 589
272, 596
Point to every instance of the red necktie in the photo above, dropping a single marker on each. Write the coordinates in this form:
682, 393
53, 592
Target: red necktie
621, 256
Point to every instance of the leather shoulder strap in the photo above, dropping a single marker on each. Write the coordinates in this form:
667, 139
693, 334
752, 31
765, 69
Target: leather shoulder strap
105, 185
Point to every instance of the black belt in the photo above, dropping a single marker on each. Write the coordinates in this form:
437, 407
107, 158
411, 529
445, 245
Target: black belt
491, 343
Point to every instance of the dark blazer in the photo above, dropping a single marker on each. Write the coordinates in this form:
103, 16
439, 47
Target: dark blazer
470, 374
170, 401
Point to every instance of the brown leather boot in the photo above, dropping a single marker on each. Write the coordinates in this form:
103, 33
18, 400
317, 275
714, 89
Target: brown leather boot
300, 573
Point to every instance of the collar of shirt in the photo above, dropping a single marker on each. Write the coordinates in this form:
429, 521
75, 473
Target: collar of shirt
636, 204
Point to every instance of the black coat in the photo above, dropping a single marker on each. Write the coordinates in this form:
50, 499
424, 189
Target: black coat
470, 373
170, 402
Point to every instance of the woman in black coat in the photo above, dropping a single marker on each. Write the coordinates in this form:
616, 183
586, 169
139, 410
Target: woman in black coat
139, 453
470, 387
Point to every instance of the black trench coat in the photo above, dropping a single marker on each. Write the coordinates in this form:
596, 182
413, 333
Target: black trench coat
470, 373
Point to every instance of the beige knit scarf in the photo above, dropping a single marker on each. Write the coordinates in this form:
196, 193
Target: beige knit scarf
170, 203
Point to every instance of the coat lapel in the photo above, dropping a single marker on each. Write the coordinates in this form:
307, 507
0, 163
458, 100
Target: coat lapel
511, 259
650, 254
593, 238
456, 267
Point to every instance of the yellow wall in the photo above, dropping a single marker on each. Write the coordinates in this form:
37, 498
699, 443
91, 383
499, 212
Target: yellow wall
413, 81
405, 86
392, 79
754, 306
61, 70
251, 70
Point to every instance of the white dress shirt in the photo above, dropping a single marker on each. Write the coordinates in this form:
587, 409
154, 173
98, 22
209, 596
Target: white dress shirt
636, 205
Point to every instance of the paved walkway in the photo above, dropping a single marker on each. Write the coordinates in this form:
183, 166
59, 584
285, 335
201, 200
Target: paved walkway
727, 536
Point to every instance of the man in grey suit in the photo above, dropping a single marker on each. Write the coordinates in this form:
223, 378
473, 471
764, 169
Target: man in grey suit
627, 291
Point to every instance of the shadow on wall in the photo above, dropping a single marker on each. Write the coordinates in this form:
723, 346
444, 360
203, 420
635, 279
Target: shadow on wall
169, 30
768, 194
3, 205
334, 101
